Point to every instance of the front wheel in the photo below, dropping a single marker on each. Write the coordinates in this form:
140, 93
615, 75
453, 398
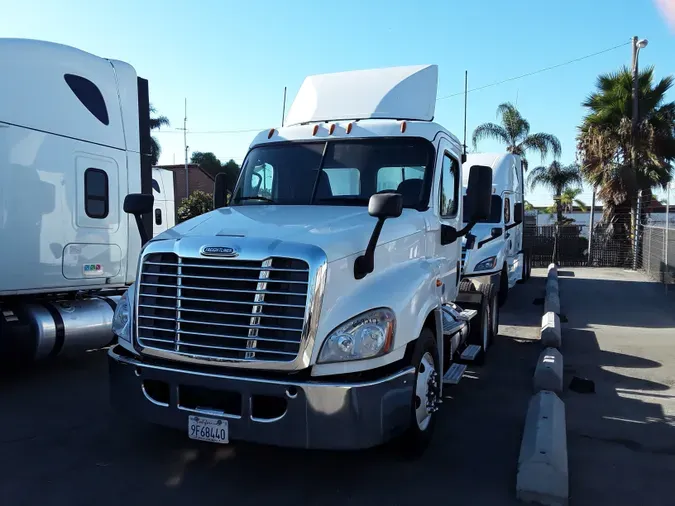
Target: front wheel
503, 286
426, 396
485, 325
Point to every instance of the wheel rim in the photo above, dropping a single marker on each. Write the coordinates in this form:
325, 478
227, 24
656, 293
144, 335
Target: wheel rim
486, 327
425, 391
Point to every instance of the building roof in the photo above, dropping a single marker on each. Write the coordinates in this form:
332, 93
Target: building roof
181, 167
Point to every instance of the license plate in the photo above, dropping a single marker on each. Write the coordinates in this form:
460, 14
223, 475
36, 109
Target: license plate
213, 430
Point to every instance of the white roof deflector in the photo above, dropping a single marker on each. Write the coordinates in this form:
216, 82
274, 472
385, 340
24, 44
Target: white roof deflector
391, 93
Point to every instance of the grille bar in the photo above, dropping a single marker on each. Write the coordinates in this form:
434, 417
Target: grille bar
205, 311
228, 314
207, 334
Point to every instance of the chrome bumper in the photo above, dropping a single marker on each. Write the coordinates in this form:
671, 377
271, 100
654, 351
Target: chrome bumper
311, 414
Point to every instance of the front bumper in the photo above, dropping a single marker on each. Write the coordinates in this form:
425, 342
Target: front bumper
306, 414
487, 278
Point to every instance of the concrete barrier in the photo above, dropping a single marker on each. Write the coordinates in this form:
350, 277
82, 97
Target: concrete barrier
552, 303
552, 271
548, 375
551, 334
552, 286
542, 465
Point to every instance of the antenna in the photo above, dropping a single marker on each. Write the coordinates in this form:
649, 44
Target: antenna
187, 179
283, 111
466, 96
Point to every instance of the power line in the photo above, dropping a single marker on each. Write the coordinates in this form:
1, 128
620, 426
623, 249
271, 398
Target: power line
545, 69
536, 71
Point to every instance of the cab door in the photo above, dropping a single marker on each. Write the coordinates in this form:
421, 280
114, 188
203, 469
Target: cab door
449, 213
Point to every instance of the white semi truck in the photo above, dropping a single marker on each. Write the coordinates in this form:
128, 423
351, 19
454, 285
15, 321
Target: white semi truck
493, 252
321, 308
73, 130
164, 211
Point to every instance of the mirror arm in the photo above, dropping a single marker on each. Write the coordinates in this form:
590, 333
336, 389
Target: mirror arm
463, 231
509, 227
365, 264
141, 229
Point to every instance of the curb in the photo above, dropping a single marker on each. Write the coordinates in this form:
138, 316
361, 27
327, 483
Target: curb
542, 463
551, 335
548, 374
543, 475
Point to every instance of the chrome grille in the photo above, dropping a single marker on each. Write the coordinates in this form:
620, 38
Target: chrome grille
223, 309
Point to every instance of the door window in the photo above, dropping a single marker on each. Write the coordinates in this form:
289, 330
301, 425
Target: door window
449, 186
96, 193
507, 211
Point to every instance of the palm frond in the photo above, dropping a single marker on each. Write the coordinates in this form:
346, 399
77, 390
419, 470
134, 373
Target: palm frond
489, 131
544, 144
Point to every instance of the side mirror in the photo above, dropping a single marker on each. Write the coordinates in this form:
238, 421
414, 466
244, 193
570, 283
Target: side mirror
220, 191
385, 205
518, 213
496, 232
479, 194
139, 204
380, 206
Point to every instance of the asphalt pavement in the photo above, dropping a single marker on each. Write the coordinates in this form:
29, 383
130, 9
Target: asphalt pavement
61, 444
620, 334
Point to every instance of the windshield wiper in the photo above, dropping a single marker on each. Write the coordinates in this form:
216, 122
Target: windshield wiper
344, 200
255, 197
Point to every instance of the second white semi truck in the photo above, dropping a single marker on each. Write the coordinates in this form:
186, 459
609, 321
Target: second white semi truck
494, 252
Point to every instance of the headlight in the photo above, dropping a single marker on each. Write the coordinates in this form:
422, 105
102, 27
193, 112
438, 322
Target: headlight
121, 323
366, 336
488, 263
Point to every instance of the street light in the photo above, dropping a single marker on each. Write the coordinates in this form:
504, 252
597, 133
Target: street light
637, 45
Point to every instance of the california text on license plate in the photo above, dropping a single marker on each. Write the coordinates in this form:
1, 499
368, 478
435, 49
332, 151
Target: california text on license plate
213, 430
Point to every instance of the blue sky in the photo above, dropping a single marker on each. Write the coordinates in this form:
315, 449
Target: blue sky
232, 59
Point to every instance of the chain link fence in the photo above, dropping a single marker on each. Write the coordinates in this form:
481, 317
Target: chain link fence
638, 235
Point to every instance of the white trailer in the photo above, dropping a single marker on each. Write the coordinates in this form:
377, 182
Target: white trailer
493, 252
319, 308
72, 130
164, 212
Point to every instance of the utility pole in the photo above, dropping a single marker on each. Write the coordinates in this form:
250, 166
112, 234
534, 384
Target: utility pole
184, 129
283, 109
590, 230
636, 46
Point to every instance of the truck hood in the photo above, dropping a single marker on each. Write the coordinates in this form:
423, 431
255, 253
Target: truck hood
339, 231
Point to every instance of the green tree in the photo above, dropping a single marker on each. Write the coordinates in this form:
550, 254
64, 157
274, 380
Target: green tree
210, 163
514, 131
156, 122
529, 206
558, 178
605, 141
568, 199
197, 203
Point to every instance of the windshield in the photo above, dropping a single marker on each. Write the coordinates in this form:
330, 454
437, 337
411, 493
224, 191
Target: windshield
495, 210
336, 172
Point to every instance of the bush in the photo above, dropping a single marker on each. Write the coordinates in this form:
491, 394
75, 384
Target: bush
197, 203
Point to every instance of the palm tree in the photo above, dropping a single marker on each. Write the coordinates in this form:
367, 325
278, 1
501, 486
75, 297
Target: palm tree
605, 141
156, 123
514, 131
558, 178
568, 199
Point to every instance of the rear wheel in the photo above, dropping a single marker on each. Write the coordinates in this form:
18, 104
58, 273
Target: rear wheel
527, 266
503, 286
426, 396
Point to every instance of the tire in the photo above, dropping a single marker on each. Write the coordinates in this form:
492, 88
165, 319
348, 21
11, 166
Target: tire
480, 332
529, 264
488, 292
503, 286
415, 440
526, 267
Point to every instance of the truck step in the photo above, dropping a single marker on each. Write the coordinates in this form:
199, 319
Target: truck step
454, 374
467, 314
470, 352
